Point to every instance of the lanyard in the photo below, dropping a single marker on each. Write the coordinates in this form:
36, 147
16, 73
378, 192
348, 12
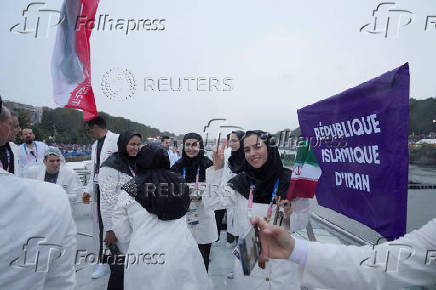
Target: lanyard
35, 149
132, 171
276, 189
197, 177
8, 156
274, 193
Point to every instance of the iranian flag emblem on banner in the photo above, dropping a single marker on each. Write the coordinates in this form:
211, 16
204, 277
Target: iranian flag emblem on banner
305, 173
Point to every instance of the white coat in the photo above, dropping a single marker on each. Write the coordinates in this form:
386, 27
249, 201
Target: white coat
173, 157
225, 177
205, 232
278, 274
28, 159
67, 179
109, 147
15, 151
339, 266
32, 209
162, 255
111, 181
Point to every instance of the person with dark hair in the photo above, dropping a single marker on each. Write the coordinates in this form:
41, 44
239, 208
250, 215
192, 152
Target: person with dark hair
6, 156
117, 170
233, 164
54, 171
97, 121
34, 214
104, 146
192, 166
31, 152
14, 148
253, 191
173, 153
150, 216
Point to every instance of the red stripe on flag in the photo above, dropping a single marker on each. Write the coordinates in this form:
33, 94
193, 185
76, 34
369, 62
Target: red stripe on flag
301, 188
83, 96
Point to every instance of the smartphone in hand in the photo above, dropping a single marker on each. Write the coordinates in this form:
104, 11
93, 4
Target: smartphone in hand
249, 250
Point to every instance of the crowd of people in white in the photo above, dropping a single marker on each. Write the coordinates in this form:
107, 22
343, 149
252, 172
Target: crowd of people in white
153, 229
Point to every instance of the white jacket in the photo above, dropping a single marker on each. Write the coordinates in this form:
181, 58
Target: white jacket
223, 196
340, 267
17, 168
278, 274
35, 216
28, 159
205, 231
111, 181
67, 179
109, 147
173, 157
162, 255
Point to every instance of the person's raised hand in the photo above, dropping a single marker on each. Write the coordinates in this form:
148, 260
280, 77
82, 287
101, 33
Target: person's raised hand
218, 155
276, 243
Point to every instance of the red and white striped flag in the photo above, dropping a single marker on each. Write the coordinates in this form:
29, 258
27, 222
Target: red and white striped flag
71, 60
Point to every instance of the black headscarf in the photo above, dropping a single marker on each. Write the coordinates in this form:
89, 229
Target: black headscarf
121, 160
158, 190
192, 164
236, 160
263, 178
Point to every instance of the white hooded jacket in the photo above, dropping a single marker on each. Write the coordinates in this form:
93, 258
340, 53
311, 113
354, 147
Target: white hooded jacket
36, 217
67, 179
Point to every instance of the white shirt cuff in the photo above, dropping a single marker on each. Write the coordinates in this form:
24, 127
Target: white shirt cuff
299, 254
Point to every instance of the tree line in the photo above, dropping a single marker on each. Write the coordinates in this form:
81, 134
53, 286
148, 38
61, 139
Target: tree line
64, 125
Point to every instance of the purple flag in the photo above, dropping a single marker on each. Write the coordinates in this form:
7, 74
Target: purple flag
360, 140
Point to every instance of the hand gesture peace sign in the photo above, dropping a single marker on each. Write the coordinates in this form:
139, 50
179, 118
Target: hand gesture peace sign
218, 155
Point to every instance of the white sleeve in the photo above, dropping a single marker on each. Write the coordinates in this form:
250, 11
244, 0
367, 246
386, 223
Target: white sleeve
90, 185
108, 182
120, 217
62, 273
301, 210
219, 195
408, 261
75, 188
299, 254
31, 172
